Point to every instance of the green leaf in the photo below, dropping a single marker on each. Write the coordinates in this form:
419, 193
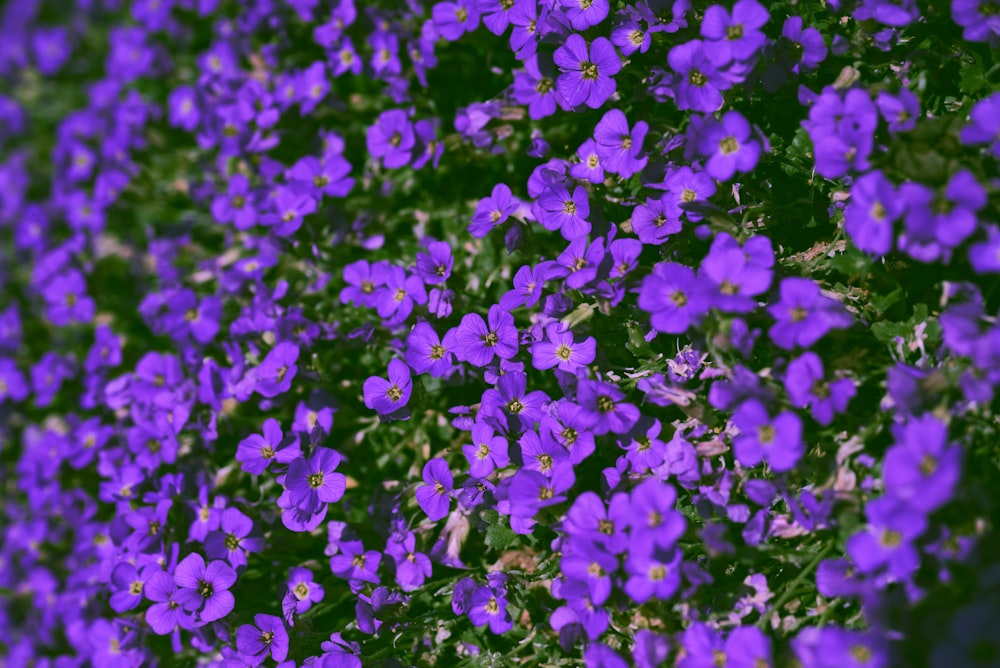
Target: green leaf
886, 332
499, 536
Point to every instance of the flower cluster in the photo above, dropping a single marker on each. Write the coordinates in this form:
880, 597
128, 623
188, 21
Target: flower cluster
541, 332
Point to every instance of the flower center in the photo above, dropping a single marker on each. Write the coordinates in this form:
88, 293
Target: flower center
696, 78
544, 85
367, 287
267, 637
589, 70
798, 314
636, 37
515, 406
491, 339
734, 31
861, 653
928, 465
607, 527
394, 393
135, 588
301, 591
545, 462
820, 389
728, 288
688, 195
605, 404
439, 488
877, 211
729, 145
593, 161
205, 588
890, 538
564, 352
546, 493
400, 295
483, 452
766, 434
395, 139
492, 607
679, 298
569, 435
569, 207
461, 14
437, 352
315, 480
232, 542
657, 573
267, 452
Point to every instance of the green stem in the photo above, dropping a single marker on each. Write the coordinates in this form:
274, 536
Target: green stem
792, 588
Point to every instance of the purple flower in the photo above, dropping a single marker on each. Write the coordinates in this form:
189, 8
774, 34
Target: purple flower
453, 19
736, 36
426, 352
922, 468
653, 572
510, 406
729, 146
654, 221
166, 612
698, 84
481, 340
434, 496
979, 19
67, 300
674, 297
204, 588
528, 282
493, 210
396, 298
486, 607
536, 88
487, 451
13, 385
586, 73
735, 275
389, 397
233, 541
934, 224
391, 138
900, 111
560, 350
265, 637
256, 452
808, 49
302, 593
128, 584
362, 280
778, 440
312, 483
618, 147
275, 373
804, 315
807, 386
887, 542
412, 567
557, 209
873, 208
603, 409
435, 265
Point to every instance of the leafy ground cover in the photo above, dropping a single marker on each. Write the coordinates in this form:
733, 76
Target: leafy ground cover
499, 333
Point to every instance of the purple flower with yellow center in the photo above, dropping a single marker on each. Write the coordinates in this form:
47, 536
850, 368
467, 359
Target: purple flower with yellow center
266, 637
302, 593
580, 262
205, 588
454, 19
687, 187
778, 440
900, 111
698, 84
657, 219
392, 138
362, 281
651, 517
674, 296
604, 409
510, 406
979, 19
13, 385
618, 147
735, 36
165, 614
401, 291
496, 14
389, 397
561, 350
67, 300
536, 88
128, 584
426, 352
583, 14
557, 209
589, 520
233, 541
493, 210
314, 482
804, 315
288, 208
257, 451
564, 425
922, 468
412, 567
435, 265
589, 168
486, 607
544, 455
275, 373
887, 543
653, 573
869, 215
434, 496
937, 222
530, 491
807, 386
586, 71
487, 451
480, 341
592, 565
355, 564
729, 146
